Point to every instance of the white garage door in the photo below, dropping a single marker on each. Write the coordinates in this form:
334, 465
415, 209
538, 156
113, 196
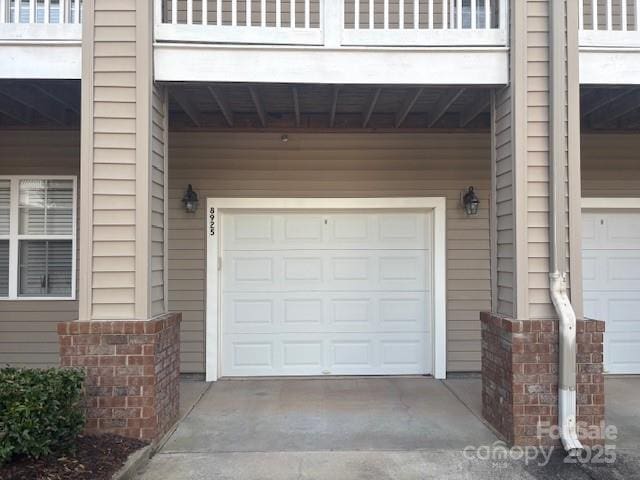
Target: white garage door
611, 264
346, 293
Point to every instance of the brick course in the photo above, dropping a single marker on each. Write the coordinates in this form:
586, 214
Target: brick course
520, 378
132, 368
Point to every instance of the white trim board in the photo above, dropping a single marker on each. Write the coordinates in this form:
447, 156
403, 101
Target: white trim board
218, 206
610, 66
352, 65
40, 60
600, 203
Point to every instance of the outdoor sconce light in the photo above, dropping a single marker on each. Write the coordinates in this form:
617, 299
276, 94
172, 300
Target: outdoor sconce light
190, 200
470, 201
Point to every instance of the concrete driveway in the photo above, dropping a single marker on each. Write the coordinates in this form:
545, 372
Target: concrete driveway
355, 428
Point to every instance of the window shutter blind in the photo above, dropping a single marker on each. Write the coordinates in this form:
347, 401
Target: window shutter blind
5, 196
4, 268
45, 268
46, 207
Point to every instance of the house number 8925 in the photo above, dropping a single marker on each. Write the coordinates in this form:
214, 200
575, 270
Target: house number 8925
212, 222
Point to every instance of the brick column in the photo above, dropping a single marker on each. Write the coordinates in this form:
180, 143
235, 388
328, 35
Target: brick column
520, 379
132, 370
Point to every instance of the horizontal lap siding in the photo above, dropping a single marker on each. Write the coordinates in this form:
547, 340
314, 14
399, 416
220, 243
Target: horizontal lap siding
610, 165
333, 165
505, 236
538, 113
157, 202
114, 160
28, 328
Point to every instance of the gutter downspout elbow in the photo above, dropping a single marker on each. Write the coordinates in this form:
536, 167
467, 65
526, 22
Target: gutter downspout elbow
567, 407
567, 373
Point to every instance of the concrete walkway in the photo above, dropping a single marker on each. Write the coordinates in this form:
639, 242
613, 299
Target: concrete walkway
341, 429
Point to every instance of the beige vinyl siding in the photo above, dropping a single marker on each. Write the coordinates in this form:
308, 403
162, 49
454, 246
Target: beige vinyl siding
113, 160
333, 165
538, 116
504, 202
28, 334
610, 166
157, 203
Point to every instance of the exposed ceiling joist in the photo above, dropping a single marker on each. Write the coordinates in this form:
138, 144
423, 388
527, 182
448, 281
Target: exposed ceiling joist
188, 107
65, 96
600, 99
475, 108
443, 104
372, 107
334, 105
37, 101
255, 97
296, 106
14, 110
409, 102
619, 108
222, 105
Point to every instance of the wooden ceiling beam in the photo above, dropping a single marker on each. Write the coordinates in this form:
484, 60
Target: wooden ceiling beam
443, 104
188, 107
255, 97
223, 105
475, 108
36, 101
409, 101
372, 107
334, 105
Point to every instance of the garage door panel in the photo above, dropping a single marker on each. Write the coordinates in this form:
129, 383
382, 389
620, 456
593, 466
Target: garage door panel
309, 231
611, 274
337, 312
621, 352
372, 270
317, 293
622, 230
610, 269
326, 354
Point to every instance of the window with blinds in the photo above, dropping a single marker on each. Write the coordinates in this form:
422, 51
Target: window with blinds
37, 238
5, 211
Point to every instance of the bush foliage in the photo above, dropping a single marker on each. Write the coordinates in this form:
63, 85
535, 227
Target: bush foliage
40, 411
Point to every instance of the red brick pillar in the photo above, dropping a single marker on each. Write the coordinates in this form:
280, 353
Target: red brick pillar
132, 368
520, 379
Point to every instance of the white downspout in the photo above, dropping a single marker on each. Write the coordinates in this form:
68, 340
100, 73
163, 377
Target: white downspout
557, 252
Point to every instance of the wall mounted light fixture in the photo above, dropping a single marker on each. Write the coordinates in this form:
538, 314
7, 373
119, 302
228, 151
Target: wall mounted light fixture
190, 200
470, 201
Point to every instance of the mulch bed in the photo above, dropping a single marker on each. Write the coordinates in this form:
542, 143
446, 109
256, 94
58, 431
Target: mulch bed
95, 458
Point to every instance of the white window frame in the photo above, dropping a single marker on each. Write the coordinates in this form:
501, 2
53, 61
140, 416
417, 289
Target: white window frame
219, 206
14, 237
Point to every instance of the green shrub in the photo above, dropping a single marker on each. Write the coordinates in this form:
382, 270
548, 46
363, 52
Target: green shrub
40, 411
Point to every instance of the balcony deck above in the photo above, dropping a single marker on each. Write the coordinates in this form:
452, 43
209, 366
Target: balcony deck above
40, 39
439, 42
609, 42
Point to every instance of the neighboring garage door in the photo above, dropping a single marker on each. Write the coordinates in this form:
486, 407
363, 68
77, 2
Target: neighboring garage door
611, 264
337, 293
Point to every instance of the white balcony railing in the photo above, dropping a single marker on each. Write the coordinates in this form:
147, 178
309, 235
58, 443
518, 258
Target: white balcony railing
609, 23
334, 23
40, 20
